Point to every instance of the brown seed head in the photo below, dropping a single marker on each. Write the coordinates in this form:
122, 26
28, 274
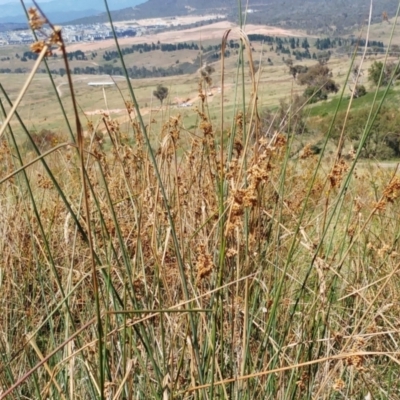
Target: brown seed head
307, 152
55, 37
339, 385
392, 191
204, 263
35, 19
38, 46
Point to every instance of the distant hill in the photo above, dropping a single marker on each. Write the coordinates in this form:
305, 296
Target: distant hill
61, 11
164, 8
11, 26
328, 16
325, 16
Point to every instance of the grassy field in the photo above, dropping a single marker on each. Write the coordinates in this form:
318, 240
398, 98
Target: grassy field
382, 31
274, 82
181, 253
392, 97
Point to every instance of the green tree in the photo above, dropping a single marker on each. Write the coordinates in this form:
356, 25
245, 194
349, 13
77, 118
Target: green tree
161, 93
383, 141
375, 72
294, 70
383, 74
206, 73
324, 57
319, 82
359, 91
305, 44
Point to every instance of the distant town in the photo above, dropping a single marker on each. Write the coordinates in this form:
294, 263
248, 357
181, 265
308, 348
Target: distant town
91, 32
75, 34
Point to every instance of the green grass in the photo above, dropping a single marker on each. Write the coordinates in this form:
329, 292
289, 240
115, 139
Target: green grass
329, 107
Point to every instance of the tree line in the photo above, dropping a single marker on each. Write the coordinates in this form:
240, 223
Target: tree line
133, 72
328, 43
30, 55
320, 43
145, 48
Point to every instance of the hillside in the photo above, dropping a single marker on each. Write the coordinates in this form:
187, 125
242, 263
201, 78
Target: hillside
288, 13
336, 16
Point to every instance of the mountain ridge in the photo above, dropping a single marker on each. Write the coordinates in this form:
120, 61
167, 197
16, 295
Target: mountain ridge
61, 12
330, 17
333, 16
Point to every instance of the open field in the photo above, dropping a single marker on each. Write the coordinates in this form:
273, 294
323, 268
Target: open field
95, 52
382, 31
274, 80
274, 83
207, 32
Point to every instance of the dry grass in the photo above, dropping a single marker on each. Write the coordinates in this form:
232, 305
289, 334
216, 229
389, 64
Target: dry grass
223, 267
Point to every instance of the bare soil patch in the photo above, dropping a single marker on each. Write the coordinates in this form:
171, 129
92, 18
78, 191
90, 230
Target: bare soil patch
99, 112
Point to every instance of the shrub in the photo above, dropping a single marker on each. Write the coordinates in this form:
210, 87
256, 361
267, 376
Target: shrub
319, 82
313, 94
289, 117
383, 141
44, 140
360, 91
389, 71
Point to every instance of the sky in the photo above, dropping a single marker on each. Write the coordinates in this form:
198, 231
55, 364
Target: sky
29, 2
12, 11
19, 1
